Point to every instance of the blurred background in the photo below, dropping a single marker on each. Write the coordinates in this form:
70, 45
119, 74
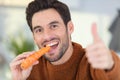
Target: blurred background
15, 35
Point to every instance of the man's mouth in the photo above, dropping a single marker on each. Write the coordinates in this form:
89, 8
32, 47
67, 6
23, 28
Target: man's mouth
53, 45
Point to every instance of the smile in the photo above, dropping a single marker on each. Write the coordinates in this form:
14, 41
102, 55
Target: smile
52, 44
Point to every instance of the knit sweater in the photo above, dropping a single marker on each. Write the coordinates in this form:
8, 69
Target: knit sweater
76, 68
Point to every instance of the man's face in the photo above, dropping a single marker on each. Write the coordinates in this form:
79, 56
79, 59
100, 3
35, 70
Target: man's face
50, 30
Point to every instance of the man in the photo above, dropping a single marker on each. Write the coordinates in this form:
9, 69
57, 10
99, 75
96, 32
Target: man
51, 25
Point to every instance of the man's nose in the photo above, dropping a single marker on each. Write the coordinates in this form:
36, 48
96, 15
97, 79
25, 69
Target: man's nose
47, 34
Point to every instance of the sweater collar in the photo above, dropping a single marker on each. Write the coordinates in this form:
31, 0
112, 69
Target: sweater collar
77, 49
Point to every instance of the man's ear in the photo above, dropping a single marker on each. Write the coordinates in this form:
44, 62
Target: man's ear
70, 27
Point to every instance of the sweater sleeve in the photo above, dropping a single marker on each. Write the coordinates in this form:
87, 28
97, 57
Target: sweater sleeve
113, 74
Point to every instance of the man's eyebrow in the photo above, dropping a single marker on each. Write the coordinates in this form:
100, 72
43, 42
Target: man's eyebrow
36, 27
53, 22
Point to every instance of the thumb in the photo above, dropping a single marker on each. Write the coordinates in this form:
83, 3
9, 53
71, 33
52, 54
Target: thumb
95, 35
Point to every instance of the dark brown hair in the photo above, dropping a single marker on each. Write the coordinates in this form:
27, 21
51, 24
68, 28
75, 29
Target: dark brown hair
39, 5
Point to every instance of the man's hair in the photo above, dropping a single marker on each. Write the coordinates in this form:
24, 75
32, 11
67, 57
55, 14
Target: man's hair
39, 5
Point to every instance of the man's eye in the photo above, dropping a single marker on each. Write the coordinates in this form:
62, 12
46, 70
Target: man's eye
38, 30
54, 26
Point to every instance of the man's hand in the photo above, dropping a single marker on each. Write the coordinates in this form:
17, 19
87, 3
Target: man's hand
98, 55
17, 72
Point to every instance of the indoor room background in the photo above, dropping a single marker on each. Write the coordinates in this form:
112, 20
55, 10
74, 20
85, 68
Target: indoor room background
15, 35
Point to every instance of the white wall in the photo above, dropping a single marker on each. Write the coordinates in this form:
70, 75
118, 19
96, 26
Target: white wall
82, 24
84, 12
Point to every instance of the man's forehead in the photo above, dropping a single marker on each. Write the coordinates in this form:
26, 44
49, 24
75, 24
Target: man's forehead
46, 17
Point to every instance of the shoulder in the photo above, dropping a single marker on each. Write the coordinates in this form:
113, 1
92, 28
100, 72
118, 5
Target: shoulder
78, 48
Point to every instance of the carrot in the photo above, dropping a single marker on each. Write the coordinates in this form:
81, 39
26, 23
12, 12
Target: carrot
34, 57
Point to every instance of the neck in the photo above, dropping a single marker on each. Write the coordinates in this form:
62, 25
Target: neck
65, 57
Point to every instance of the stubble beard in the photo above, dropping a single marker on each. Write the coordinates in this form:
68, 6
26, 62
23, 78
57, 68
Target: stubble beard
62, 51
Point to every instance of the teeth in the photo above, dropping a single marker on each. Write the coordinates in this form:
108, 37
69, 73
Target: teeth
51, 44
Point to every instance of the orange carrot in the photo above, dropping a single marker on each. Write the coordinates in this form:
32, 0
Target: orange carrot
34, 57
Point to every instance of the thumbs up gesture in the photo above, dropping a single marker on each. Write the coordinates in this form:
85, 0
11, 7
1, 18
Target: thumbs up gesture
98, 55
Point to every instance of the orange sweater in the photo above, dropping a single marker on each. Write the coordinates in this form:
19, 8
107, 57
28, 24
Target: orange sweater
76, 68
